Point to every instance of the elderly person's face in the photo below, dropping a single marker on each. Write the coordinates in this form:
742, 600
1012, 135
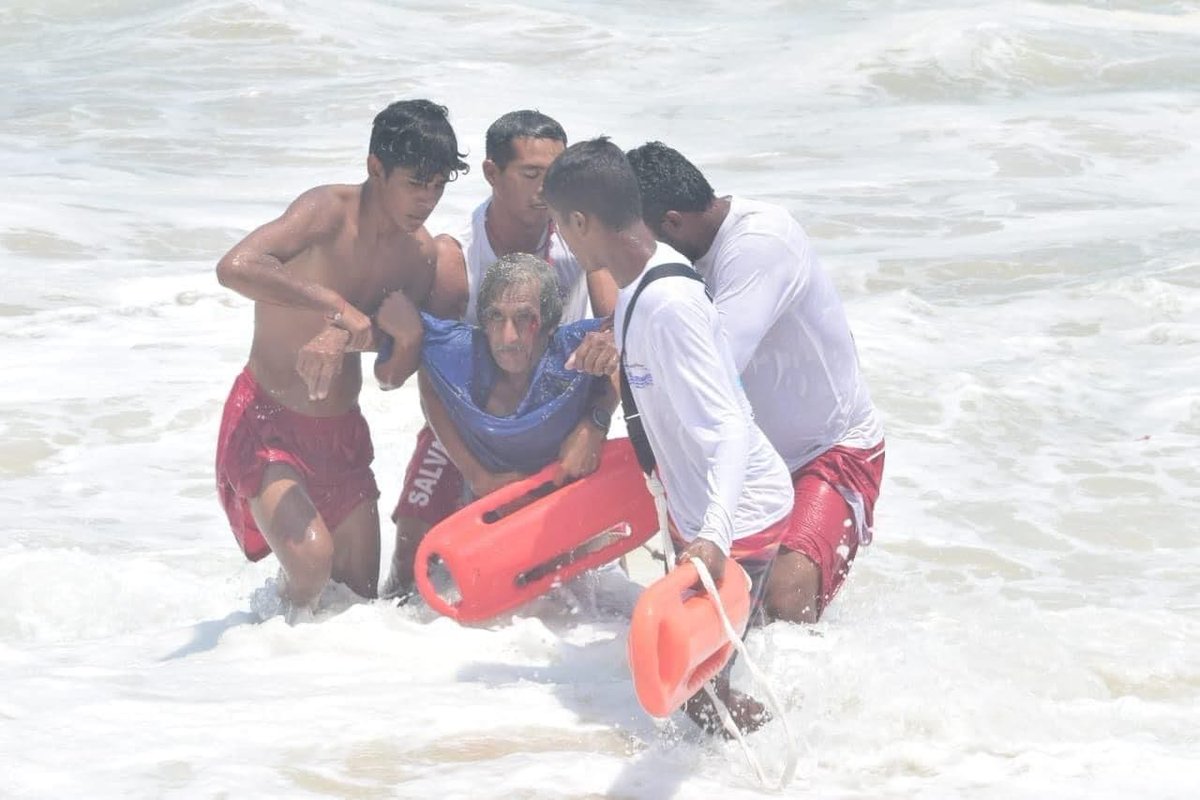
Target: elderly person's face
513, 326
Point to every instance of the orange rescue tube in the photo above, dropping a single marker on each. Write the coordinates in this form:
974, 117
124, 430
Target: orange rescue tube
676, 639
521, 540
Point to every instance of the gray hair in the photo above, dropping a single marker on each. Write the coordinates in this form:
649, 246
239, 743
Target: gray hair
519, 269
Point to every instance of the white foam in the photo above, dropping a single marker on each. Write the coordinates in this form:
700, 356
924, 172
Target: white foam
1004, 195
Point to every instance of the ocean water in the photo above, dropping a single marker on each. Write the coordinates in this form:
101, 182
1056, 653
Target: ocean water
1006, 193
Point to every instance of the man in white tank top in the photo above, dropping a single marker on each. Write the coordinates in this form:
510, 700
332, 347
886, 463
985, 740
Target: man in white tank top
519, 148
793, 347
728, 492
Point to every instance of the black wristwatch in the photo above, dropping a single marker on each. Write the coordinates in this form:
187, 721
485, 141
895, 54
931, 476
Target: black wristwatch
601, 418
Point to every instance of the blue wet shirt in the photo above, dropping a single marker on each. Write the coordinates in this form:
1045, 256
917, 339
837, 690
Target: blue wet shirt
459, 364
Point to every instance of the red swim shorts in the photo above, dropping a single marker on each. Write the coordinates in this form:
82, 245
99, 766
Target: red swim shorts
756, 554
333, 454
433, 486
834, 510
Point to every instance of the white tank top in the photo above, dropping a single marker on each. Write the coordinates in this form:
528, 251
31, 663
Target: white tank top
479, 255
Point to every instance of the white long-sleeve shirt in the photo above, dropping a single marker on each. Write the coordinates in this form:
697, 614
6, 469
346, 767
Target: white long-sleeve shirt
723, 479
788, 333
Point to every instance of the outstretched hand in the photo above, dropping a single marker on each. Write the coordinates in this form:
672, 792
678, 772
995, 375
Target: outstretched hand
320, 361
597, 353
710, 554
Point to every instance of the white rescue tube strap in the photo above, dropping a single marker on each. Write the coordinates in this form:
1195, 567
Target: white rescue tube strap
789, 768
664, 523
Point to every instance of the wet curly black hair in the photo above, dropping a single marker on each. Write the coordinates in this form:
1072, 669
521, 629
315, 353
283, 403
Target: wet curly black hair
416, 135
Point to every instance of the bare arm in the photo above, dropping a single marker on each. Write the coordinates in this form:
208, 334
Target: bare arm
579, 453
449, 294
478, 477
256, 267
602, 290
607, 400
259, 266
398, 317
419, 284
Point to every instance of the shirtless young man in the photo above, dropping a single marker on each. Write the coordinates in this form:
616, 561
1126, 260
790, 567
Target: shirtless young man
728, 491
519, 148
793, 347
294, 452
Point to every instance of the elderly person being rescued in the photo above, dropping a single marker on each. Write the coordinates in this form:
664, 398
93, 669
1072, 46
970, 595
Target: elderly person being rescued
499, 397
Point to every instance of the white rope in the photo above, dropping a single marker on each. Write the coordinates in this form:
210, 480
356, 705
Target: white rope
664, 525
664, 531
789, 769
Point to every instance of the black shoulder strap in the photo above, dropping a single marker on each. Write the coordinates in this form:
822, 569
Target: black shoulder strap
633, 420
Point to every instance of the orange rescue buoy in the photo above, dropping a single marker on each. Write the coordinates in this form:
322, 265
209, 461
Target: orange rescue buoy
676, 638
521, 540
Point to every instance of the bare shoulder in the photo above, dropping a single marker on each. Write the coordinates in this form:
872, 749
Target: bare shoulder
311, 220
448, 253
447, 242
324, 210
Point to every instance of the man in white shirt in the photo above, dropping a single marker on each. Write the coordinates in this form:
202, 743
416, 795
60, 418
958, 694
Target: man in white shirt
519, 147
728, 492
792, 345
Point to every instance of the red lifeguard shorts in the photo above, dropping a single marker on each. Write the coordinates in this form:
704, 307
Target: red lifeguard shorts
433, 486
756, 554
834, 511
333, 454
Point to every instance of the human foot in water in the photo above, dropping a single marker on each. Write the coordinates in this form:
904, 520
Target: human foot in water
747, 713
